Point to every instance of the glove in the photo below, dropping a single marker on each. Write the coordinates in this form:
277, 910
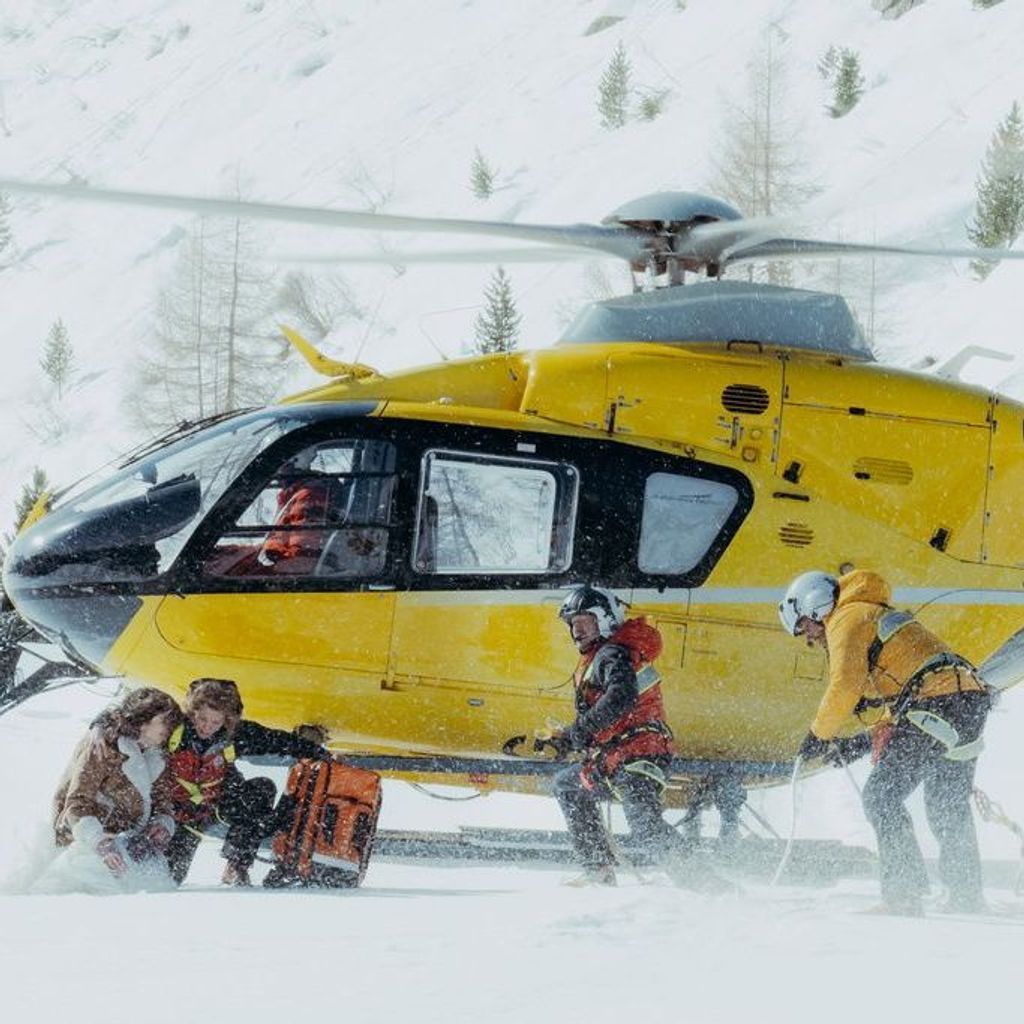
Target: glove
812, 747
148, 843
111, 855
559, 742
847, 750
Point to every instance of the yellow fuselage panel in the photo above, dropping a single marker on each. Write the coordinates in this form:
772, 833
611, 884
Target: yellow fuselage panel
1003, 536
883, 462
882, 391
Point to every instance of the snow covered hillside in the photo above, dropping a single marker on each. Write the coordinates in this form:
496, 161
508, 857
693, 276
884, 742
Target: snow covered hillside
382, 105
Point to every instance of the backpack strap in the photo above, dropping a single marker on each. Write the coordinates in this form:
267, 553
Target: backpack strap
888, 624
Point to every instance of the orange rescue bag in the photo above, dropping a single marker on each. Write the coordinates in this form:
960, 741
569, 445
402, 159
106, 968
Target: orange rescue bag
328, 818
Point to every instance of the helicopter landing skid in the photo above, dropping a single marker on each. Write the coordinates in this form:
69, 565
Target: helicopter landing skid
812, 862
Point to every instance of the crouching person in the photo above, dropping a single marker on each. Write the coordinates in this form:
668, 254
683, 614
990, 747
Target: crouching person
112, 812
208, 790
620, 727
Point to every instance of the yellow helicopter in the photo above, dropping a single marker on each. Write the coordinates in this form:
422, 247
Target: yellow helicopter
384, 556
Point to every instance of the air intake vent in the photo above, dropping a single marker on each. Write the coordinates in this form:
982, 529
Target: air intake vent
746, 398
796, 535
883, 471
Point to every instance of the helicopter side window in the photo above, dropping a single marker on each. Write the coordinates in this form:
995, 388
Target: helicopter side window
326, 512
490, 514
682, 517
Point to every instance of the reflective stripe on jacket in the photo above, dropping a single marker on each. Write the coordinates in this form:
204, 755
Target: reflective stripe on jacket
197, 778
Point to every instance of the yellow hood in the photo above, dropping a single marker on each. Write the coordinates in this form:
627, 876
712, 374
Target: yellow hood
862, 587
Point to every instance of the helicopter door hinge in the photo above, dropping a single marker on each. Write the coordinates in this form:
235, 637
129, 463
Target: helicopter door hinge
611, 417
735, 431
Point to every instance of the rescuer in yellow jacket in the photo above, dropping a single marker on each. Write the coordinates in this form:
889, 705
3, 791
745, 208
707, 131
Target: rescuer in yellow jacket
886, 667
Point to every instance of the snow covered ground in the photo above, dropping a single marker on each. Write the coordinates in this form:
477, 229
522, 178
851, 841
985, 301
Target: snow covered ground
487, 943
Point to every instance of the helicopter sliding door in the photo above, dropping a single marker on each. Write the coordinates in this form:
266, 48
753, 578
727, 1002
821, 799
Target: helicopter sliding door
504, 521
476, 638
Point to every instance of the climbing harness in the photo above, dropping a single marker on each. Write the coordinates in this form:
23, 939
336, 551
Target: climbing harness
944, 733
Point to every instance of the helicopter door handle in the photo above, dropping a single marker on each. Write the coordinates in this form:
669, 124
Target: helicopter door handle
380, 586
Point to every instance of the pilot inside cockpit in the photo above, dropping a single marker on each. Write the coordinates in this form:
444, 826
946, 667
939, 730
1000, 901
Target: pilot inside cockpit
302, 504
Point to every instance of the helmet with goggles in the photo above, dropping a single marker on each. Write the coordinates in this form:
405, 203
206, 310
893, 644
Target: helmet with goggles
604, 605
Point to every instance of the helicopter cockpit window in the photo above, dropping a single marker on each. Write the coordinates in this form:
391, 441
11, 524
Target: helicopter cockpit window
682, 517
325, 512
132, 525
487, 515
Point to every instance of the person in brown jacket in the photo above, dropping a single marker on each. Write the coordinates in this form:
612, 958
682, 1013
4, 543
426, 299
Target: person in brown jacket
112, 812
933, 709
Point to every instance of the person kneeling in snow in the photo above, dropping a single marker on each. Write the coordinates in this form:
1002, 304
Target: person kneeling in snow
112, 810
620, 727
207, 787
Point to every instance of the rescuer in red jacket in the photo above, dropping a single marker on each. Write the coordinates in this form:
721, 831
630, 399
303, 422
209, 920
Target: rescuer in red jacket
620, 728
209, 791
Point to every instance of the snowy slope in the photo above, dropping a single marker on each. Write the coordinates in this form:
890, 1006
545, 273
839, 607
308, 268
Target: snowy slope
346, 104
384, 103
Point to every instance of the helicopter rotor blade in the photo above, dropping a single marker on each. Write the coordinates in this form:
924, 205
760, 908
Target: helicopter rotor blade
624, 242
550, 254
695, 245
805, 248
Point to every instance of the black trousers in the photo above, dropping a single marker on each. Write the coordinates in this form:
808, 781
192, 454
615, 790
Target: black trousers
247, 808
641, 802
913, 757
726, 791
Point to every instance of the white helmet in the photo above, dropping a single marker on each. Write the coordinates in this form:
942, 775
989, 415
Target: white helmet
810, 596
603, 604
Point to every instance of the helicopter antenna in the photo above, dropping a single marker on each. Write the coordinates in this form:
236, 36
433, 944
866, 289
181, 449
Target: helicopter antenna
372, 321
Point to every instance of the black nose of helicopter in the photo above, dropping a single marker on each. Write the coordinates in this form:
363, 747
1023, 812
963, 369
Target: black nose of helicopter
78, 574
82, 572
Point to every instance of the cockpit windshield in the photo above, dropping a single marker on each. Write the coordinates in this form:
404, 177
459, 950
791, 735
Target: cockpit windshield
170, 489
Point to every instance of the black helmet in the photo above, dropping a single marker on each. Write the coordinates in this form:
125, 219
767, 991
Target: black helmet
604, 605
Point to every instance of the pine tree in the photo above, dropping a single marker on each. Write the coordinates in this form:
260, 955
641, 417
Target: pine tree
848, 85
214, 345
31, 491
895, 8
6, 235
613, 90
652, 104
497, 326
481, 177
999, 212
760, 164
58, 357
